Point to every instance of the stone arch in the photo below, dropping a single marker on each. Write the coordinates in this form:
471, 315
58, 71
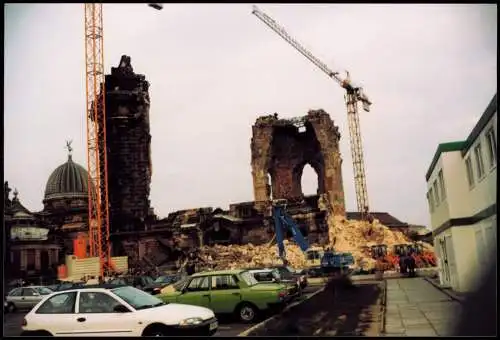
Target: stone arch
280, 148
318, 169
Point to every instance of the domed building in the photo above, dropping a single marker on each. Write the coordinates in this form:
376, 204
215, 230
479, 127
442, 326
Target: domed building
39, 241
65, 202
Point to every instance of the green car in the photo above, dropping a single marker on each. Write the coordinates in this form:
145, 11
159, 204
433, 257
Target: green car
228, 291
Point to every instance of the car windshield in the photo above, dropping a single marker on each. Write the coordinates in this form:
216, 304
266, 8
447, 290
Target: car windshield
179, 285
137, 298
148, 279
248, 278
163, 279
43, 290
276, 274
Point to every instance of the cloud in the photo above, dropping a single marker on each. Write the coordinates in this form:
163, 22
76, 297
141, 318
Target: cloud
429, 69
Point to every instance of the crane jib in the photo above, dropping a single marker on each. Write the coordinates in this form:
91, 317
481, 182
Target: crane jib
354, 95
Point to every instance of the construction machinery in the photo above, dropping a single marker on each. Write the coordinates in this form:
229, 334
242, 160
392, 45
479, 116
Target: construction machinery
354, 95
282, 223
98, 206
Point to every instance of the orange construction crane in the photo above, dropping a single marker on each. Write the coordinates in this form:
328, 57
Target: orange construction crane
96, 136
354, 94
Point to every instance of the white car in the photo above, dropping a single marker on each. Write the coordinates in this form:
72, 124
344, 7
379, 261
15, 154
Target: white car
118, 311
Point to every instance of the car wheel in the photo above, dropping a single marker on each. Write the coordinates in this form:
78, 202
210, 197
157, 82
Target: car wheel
247, 313
11, 308
156, 331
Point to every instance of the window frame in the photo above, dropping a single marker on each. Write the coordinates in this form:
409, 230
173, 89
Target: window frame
478, 153
18, 291
34, 292
492, 146
431, 199
436, 192
469, 169
103, 293
212, 277
442, 186
198, 288
37, 311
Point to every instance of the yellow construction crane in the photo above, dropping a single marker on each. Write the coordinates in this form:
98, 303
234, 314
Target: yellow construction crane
354, 94
96, 136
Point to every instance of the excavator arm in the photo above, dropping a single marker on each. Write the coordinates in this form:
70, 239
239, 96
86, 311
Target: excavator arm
283, 223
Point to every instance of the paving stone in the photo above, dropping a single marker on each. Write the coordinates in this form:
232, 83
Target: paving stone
392, 315
435, 316
421, 332
405, 305
415, 322
394, 329
393, 321
412, 316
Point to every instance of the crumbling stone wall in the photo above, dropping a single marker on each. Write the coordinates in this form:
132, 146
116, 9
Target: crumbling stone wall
129, 147
281, 150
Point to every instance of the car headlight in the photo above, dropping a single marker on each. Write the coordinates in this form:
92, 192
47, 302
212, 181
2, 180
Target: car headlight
191, 321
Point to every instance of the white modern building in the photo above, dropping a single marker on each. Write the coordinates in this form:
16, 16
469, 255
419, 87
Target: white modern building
462, 197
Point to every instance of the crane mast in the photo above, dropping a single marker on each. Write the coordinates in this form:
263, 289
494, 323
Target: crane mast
353, 95
96, 137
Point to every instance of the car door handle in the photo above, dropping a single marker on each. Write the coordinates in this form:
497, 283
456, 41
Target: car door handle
206, 295
236, 293
81, 319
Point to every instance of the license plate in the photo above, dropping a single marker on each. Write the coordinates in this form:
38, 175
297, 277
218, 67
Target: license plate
213, 325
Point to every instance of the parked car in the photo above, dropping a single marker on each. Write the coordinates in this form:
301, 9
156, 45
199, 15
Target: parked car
115, 311
287, 273
156, 286
65, 286
266, 275
228, 292
135, 281
25, 297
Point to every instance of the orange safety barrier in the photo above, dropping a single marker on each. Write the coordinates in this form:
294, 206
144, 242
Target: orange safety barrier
62, 271
80, 247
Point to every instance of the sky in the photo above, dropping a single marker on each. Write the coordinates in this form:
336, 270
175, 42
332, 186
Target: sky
430, 71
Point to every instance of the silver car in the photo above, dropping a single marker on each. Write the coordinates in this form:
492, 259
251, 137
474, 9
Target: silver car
25, 297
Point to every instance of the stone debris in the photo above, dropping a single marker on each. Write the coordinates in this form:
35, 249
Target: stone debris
345, 236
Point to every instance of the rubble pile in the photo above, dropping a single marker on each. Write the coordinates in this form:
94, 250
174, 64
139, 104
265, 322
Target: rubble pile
251, 256
357, 236
350, 236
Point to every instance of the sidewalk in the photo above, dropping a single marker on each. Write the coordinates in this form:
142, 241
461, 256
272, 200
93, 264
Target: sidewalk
414, 307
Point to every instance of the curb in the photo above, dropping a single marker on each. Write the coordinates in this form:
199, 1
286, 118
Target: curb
451, 295
274, 317
382, 309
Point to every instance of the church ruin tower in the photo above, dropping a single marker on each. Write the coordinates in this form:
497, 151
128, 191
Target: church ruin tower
129, 147
282, 147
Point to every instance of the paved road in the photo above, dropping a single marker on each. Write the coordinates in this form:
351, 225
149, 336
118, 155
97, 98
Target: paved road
414, 307
228, 328
12, 322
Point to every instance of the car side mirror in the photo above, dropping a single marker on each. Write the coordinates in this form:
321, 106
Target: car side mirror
121, 309
274, 280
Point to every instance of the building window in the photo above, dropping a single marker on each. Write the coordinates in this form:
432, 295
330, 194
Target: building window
441, 185
431, 199
492, 146
436, 192
470, 172
479, 160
